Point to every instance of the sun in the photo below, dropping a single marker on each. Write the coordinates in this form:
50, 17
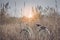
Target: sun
27, 12
30, 16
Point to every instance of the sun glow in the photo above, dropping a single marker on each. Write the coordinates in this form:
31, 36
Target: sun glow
30, 15
27, 12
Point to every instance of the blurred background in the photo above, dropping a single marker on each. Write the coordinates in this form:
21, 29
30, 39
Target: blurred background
29, 19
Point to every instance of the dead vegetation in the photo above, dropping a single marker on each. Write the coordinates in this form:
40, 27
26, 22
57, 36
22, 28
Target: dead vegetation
10, 27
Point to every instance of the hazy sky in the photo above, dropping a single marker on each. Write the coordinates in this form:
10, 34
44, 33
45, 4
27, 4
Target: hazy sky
20, 4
